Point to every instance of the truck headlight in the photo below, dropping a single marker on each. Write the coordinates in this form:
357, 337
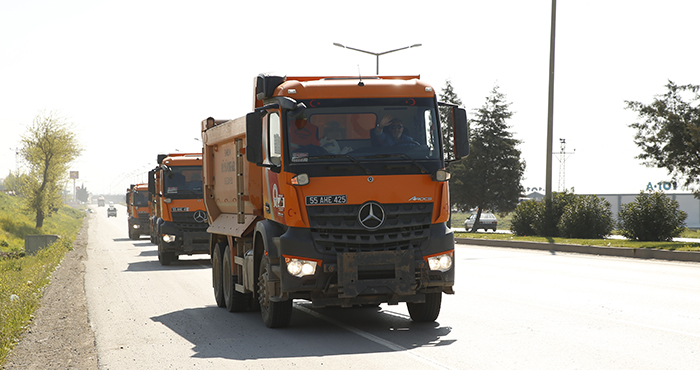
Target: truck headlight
300, 267
168, 238
440, 262
136, 226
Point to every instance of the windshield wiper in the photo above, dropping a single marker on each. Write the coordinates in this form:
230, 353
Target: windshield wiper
397, 155
331, 156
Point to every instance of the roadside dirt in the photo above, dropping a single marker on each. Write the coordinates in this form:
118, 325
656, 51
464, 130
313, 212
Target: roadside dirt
60, 335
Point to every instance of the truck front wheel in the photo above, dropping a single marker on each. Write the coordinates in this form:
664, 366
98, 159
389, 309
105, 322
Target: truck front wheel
428, 311
274, 314
164, 258
217, 276
235, 300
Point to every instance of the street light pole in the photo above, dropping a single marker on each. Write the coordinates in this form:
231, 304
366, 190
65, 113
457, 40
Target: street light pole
550, 108
376, 54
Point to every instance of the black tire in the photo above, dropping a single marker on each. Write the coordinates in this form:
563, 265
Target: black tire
274, 314
235, 301
133, 235
163, 257
428, 311
217, 274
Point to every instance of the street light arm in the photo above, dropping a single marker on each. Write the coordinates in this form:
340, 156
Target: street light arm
403, 48
351, 48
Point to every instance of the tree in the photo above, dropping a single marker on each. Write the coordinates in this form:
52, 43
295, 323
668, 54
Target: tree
489, 178
48, 146
82, 194
669, 133
13, 183
448, 95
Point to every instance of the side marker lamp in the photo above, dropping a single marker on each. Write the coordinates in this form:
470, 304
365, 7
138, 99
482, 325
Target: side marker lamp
441, 175
440, 262
300, 179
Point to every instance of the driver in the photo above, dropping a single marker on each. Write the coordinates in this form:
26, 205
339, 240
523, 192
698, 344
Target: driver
388, 132
302, 133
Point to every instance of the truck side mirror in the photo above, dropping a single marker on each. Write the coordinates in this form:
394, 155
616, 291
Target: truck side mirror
254, 149
461, 133
151, 182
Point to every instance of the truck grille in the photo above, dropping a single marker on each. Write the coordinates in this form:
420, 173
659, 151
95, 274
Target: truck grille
336, 228
186, 221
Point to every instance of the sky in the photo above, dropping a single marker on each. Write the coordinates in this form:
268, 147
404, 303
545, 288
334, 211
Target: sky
135, 77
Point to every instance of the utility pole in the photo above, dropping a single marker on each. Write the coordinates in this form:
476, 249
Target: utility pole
562, 155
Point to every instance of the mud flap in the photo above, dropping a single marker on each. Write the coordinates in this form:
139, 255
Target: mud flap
383, 272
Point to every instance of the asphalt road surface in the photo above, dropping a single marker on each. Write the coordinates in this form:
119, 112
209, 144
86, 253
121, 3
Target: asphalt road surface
514, 309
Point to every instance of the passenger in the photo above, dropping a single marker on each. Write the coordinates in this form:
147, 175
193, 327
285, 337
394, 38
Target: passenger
394, 132
301, 133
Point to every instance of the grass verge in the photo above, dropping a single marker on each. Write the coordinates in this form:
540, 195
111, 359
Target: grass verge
458, 219
23, 277
618, 243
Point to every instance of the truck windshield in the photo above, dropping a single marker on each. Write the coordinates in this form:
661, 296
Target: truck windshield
141, 198
184, 181
364, 133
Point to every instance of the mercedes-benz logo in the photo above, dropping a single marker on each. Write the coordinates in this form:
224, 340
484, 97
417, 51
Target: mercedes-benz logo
371, 215
200, 216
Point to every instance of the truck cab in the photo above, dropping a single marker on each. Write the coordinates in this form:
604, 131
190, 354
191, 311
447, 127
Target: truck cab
137, 207
179, 221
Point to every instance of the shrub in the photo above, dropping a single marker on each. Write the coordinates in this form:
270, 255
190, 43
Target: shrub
586, 217
524, 217
651, 217
547, 221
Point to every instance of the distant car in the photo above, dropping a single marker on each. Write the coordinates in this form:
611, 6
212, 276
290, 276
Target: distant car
486, 221
111, 211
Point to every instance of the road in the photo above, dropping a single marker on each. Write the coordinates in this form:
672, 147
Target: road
514, 309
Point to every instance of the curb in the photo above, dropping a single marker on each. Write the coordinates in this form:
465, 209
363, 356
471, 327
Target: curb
643, 253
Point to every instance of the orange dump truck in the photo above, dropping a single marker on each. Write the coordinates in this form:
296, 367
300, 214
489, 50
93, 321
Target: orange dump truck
314, 196
137, 209
179, 219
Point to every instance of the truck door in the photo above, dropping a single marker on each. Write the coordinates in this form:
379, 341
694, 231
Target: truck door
272, 147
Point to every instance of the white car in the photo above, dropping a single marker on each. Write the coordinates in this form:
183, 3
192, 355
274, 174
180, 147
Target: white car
486, 221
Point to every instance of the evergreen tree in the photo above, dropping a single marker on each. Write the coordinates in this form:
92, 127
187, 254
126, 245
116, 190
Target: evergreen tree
489, 178
82, 194
448, 95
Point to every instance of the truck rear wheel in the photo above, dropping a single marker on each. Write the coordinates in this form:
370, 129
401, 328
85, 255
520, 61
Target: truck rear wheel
235, 300
274, 314
217, 276
428, 311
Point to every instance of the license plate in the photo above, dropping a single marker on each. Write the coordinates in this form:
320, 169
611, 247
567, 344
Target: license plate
317, 200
